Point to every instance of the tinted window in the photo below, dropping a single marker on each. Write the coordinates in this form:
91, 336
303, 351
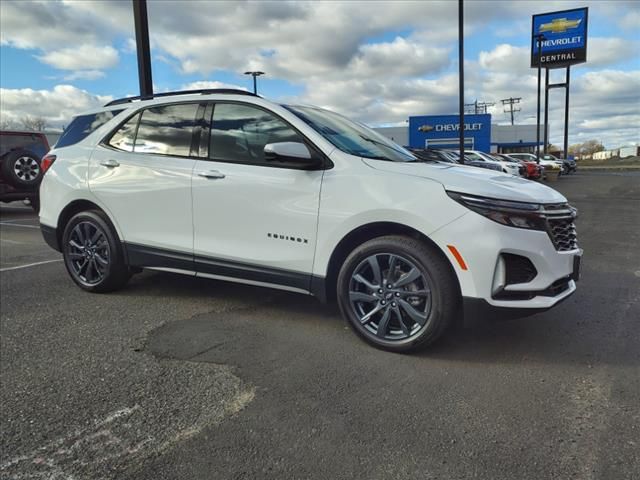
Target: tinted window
80, 127
124, 137
351, 137
167, 130
33, 143
240, 132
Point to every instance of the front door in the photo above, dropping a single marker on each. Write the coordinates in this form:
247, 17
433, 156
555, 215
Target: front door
253, 219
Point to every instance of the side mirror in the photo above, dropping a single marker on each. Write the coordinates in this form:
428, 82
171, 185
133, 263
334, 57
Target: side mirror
286, 151
289, 152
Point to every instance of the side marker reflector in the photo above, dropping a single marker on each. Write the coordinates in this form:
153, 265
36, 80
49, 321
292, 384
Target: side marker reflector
454, 251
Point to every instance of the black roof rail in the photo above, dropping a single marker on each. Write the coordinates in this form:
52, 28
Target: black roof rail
232, 91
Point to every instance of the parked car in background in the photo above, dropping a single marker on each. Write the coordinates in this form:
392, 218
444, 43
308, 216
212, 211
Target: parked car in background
471, 162
507, 167
532, 170
21, 155
545, 162
568, 165
450, 156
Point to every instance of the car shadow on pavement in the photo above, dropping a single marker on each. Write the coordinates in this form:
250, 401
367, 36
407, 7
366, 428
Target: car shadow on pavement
570, 334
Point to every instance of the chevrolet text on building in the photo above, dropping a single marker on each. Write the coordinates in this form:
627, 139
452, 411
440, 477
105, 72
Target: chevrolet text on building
441, 131
564, 39
227, 185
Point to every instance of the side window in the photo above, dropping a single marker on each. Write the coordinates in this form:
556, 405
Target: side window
240, 132
124, 137
167, 130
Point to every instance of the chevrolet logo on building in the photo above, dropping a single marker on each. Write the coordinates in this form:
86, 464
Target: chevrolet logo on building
559, 25
425, 128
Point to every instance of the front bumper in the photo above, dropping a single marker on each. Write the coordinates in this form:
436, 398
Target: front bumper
481, 242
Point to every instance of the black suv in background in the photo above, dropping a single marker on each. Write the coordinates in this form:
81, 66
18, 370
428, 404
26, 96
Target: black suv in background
21, 155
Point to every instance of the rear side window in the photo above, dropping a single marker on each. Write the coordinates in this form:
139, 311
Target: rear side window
83, 125
167, 130
125, 137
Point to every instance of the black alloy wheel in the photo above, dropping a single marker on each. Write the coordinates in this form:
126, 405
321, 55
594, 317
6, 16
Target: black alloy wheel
93, 254
398, 293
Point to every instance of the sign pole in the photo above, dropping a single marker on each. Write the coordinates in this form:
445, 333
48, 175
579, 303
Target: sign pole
566, 114
539, 39
461, 76
546, 110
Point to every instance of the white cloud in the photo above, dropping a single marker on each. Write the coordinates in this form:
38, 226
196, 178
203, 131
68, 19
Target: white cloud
84, 75
85, 57
602, 52
209, 85
57, 106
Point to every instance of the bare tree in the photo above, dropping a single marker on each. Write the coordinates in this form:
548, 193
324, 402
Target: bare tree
6, 124
587, 148
34, 123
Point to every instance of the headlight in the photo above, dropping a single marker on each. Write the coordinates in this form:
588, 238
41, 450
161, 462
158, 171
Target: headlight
513, 214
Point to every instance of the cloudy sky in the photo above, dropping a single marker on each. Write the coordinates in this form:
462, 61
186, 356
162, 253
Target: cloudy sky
376, 61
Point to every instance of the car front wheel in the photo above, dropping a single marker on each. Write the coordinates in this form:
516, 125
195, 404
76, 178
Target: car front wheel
93, 254
397, 293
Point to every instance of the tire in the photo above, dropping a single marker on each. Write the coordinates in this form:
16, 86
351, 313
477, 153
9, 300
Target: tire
414, 312
93, 254
21, 168
35, 203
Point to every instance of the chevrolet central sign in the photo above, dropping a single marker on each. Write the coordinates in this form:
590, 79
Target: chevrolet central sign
564, 39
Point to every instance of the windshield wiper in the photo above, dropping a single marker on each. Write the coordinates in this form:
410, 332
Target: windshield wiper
377, 142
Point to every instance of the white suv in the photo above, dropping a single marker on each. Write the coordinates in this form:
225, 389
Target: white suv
227, 185
507, 167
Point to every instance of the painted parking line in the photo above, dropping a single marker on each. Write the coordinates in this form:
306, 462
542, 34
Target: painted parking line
9, 224
30, 265
27, 219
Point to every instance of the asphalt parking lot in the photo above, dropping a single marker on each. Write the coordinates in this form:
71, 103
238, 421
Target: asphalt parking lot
178, 378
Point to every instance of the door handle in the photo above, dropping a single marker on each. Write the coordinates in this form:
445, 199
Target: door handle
211, 174
109, 163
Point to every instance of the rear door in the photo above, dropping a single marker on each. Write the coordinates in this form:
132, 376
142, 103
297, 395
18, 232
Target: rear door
142, 174
253, 219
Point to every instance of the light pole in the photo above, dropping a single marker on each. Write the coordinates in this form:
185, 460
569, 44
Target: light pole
255, 83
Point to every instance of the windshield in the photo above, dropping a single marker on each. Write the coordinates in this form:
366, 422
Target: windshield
351, 137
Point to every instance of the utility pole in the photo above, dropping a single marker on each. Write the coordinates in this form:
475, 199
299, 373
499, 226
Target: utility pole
511, 102
477, 107
461, 77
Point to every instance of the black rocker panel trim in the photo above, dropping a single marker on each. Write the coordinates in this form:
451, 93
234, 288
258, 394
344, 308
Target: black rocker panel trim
143, 256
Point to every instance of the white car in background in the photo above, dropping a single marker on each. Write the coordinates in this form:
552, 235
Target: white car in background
507, 167
226, 185
530, 157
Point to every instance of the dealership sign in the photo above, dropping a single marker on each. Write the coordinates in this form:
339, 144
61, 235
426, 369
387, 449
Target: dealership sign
564, 38
443, 131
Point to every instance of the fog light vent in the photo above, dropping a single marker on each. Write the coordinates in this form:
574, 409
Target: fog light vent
518, 269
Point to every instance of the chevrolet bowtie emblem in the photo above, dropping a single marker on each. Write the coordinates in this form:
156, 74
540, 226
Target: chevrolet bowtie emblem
559, 25
425, 128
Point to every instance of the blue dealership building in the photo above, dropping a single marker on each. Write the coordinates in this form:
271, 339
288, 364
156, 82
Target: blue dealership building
442, 131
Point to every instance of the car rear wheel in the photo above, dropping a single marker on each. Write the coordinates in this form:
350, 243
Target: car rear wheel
397, 293
92, 253
21, 168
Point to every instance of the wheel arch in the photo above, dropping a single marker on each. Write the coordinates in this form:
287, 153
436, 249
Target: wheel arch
77, 206
325, 288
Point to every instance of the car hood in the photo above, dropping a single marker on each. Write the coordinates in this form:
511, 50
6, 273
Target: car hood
473, 180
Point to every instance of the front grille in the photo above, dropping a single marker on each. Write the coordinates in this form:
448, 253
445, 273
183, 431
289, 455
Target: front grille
560, 226
563, 235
